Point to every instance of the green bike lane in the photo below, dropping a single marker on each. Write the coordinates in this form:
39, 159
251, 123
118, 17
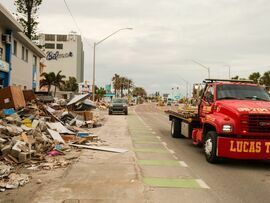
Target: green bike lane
166, 177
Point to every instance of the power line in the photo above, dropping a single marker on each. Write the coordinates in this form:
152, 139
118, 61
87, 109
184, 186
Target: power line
75, 22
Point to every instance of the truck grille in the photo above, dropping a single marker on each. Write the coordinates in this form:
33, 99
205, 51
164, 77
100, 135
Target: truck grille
256, 123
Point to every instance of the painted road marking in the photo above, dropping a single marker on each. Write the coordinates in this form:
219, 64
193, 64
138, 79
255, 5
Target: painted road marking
158, 137
182, 163
172, 182
154, 133
144, 139
171, 151
202, 184
145, 142
151, 150
158, 162
175, 157
164, 143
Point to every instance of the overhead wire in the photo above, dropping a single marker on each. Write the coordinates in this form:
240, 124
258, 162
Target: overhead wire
75, 22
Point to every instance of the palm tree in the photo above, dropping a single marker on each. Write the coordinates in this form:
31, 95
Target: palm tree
52, 79
100, 92
255, 77
265, 79
48, 80
116, 83
58, 81
139, 91
130, 84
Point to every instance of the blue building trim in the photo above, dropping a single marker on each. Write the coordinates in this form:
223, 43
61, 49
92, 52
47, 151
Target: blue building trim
34, 73
6, 76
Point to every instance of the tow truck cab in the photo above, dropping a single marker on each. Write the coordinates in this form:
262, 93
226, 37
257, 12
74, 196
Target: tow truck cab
234, 121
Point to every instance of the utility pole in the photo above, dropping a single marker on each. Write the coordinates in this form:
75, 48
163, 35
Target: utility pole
205, 67
94, 58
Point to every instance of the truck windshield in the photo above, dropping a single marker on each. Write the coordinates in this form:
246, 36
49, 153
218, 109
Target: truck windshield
243, 92
115, 101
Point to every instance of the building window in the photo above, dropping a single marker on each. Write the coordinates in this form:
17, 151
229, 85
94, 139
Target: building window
59, 46
34, 60
23, 52
26, 55
15, 47
61, 38
49, 46
49, 37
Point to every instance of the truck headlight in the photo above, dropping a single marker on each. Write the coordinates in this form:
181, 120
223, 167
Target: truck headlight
227, 128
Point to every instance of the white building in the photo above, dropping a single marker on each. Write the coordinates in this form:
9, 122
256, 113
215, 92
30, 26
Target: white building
19, 56
64, 53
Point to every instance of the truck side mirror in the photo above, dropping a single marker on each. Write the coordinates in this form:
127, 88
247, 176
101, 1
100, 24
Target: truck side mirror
209, 98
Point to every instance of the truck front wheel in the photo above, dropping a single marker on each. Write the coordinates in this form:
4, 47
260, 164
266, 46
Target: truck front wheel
176, 128
210, 147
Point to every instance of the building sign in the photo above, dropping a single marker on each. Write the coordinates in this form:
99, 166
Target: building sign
108, 88
85, 87
4, 66
56, 55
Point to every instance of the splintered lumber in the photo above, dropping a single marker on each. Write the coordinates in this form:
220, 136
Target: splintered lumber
103, 148
56, 136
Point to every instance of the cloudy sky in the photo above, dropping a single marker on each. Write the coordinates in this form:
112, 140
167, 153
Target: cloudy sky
167, 35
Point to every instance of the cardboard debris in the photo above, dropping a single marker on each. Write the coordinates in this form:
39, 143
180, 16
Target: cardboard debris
11, 97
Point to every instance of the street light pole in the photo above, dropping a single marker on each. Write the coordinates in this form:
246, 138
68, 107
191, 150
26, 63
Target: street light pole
205, 67
94, 58
187, 83
94, 72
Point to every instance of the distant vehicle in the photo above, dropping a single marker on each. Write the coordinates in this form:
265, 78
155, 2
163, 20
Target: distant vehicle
169, 103
118, 105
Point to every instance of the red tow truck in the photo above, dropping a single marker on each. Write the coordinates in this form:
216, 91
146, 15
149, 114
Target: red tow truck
232, 121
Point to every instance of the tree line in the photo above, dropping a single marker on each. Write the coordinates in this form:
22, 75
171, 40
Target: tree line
122, 83
257, 78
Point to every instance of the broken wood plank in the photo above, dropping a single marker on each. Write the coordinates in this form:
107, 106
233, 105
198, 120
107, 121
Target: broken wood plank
107, 149
56, 136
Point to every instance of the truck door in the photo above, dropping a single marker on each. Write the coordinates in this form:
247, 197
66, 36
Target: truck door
207, 101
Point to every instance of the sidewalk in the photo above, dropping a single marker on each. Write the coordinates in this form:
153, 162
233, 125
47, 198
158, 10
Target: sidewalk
100, 176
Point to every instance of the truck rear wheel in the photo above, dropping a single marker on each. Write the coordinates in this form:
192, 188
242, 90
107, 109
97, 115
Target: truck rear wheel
176, 128
210, 147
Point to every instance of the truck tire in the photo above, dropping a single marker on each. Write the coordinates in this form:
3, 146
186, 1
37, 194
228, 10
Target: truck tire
176, 128
210, 147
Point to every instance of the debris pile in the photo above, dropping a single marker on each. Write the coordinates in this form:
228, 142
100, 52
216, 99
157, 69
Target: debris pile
188, 111
38, 136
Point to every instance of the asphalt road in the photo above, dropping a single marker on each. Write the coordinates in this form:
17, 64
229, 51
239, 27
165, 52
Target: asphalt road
229, 181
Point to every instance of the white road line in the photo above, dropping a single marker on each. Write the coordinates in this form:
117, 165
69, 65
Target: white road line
164, 143
154, 133
182, 163
175, 157
171, 151
158, 137
202, 184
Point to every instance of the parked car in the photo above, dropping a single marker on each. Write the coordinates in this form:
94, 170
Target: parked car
118, 105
